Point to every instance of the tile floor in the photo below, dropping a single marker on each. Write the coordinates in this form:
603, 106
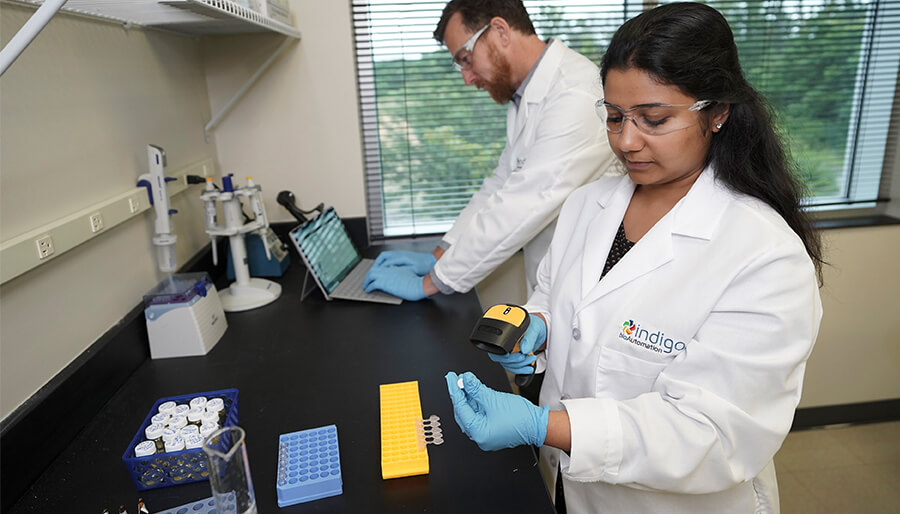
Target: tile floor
851, 469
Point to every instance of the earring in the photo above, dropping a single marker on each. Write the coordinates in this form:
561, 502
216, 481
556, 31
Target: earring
718, 126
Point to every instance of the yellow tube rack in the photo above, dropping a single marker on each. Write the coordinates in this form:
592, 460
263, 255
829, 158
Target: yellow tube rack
403, 453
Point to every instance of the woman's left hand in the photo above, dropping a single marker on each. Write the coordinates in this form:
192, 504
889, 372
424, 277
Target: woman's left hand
492, 419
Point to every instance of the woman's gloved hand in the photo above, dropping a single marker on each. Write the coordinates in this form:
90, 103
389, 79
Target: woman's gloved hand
520, 363
420, 262
400, 282
492, 419
516, 363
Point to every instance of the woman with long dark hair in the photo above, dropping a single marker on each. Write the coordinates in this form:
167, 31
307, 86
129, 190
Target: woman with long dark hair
678, 304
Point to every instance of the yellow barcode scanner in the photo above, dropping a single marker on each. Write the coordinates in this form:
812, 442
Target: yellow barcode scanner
499, 331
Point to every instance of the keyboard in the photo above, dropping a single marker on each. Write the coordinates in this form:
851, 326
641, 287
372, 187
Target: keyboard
351, 288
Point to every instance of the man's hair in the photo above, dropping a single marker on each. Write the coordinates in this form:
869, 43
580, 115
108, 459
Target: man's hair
478, 13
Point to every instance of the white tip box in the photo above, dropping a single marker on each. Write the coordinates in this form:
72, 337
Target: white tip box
184, 316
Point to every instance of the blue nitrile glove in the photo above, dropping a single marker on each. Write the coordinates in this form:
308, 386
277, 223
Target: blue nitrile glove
400, 282
420, 262
519, 363
495, 420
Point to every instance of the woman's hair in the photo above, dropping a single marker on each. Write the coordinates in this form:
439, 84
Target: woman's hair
690, 46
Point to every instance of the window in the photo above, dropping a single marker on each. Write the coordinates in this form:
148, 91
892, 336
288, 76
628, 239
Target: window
830, 68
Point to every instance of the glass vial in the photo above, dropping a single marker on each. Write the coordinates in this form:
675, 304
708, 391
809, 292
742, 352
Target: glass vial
154, 433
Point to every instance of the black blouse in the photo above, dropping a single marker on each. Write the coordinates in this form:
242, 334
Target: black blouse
620, 247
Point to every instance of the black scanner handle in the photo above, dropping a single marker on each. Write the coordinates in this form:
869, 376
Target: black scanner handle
524, 380
289, 202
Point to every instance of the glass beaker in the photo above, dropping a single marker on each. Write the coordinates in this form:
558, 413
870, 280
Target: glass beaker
229, 471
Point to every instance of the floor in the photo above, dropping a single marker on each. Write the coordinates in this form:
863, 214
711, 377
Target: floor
852, 469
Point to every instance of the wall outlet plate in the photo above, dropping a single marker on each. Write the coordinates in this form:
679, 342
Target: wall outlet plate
31, 249
44, 246
96, 222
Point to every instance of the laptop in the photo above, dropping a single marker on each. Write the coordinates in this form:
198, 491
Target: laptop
333, 261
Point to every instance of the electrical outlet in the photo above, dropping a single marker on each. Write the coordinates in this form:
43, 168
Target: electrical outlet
133, 205
44, 246
96, 222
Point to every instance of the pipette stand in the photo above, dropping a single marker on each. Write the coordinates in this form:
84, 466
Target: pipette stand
245, 292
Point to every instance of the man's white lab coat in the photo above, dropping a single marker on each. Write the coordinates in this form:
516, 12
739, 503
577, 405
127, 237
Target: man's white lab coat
554, 143
681, 369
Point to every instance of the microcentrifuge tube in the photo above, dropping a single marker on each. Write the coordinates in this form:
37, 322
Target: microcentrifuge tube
460, 383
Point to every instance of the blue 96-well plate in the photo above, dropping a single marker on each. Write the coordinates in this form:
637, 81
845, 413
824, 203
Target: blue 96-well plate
309, 466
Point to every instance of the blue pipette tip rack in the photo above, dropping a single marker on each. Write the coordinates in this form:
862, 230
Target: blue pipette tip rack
309, 466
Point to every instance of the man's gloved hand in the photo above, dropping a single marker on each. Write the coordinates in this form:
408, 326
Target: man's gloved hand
495, 420
420, 262
520, 362
400, 282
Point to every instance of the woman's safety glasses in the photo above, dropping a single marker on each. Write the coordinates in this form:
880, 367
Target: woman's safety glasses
653, 119
462, 59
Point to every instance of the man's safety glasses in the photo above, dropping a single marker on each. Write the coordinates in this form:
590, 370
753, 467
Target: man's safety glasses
462, 59
653, 119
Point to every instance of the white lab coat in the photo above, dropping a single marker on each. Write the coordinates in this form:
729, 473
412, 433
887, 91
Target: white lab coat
554, 144
688, 414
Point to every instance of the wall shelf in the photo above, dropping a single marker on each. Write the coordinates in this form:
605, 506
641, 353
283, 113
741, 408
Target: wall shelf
191, 17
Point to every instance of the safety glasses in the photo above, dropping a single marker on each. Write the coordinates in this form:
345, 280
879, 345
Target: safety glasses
652, 119
462, 59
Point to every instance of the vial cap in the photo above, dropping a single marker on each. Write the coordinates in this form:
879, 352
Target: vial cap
154, 431
181, 410
210, 417
162, 419
193, 441
175, 444
178, 422
195, 414
207, 428
215, 405
169, 433
167, 407
199, 401
144, 448
190, 430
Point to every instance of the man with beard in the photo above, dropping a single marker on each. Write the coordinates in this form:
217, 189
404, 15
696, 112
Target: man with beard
555, 143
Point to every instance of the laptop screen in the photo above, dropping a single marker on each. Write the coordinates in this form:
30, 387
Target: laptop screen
327, 247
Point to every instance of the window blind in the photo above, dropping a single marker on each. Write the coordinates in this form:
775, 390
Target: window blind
829, 67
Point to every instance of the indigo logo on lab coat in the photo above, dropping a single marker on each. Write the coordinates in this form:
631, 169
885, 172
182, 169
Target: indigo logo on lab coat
655, 341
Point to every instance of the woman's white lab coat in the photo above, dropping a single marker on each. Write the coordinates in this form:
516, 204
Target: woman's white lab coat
554, 144
681, 369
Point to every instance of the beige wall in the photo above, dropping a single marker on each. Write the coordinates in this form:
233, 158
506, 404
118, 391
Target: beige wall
857, 354
80, 105
77, 110
298, 127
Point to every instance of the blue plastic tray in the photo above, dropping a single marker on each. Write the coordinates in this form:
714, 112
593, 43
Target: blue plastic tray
175, 468
309, 466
